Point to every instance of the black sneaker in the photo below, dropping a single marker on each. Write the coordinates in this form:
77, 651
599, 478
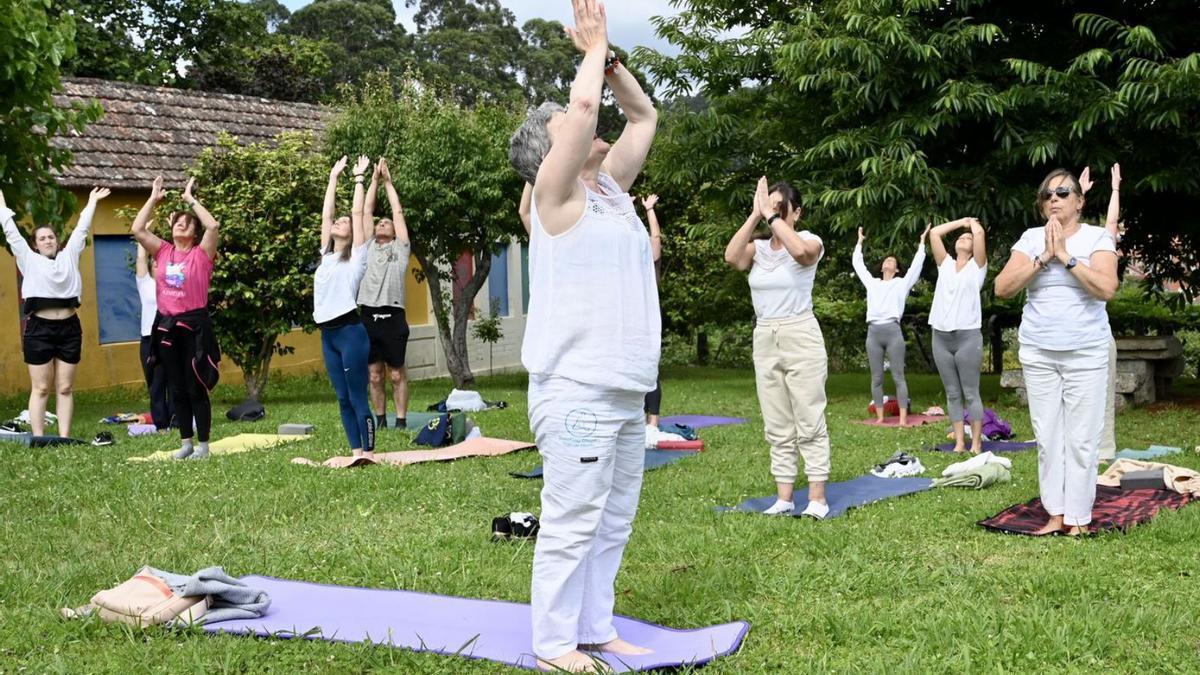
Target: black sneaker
524, 525
102, 439
501, 527
12, 427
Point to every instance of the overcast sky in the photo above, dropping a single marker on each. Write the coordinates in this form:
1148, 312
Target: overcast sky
628, 20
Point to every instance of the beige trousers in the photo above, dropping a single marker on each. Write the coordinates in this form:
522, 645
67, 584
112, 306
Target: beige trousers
790, 368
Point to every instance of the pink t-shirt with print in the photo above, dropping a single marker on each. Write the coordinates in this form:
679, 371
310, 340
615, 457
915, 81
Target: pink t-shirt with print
181, 279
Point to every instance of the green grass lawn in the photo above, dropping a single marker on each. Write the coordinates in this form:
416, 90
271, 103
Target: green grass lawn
911, 584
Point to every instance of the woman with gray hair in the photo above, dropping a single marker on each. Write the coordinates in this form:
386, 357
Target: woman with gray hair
591, 346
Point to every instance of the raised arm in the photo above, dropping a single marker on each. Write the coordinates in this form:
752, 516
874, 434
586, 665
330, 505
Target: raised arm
12, 233
526, 207
935, 238
78, 239
212, 234
856, 261
369, 201
628, 154
804, 251
558, 176
655, 233
978, 242
398, 223
358, 230
141, 223
914, 268
327, 208
739, 253
142, 266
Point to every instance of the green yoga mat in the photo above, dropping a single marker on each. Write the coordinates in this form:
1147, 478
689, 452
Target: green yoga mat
415, 420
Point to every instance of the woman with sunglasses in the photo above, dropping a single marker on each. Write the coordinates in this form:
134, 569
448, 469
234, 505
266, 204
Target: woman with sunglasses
956, 317
1070, 271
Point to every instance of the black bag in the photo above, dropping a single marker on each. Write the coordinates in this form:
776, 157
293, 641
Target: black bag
246, 411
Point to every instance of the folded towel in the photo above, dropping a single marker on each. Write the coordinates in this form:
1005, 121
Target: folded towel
985, 476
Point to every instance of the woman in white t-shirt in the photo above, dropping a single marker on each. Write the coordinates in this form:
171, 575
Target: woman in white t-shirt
152, 369
51, 286
1070, 271
344, 341
790, 365
886, 297
956, 318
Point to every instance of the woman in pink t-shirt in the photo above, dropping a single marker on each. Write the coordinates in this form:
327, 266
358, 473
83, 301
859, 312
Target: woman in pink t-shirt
183, 336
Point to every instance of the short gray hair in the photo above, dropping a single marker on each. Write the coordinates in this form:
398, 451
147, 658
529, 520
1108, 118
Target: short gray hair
529, 145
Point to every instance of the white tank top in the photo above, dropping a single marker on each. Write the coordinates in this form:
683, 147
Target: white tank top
593, 301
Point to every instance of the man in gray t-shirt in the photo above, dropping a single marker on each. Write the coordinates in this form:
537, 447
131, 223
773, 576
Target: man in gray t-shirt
381, 300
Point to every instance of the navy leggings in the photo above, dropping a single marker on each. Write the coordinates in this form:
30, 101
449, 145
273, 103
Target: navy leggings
345, 349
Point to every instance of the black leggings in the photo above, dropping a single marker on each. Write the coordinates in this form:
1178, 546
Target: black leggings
654, 399
189, 398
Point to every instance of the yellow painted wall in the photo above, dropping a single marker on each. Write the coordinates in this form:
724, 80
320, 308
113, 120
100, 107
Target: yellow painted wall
117, 364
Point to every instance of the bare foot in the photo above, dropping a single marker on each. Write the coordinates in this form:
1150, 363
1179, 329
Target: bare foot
369, 455
1076, 530
618, 646
960, 449
879, 420
976, 448
574, 662
1055, 524
903, 419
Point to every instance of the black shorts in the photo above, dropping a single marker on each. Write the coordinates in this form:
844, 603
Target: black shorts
49, 339
387, 328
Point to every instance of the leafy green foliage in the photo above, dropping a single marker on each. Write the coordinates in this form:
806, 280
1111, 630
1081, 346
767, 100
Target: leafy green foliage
33, 43
894, 113
267, 198
450, 167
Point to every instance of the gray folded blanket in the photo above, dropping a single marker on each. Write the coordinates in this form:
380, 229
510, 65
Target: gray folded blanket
229, 597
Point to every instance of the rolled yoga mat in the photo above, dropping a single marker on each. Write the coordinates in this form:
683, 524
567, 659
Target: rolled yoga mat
991, 446
654, 459
701, 421
843, 496
478, 629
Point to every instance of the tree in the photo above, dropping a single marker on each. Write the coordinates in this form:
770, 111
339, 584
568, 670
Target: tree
899, 112
471, 48
359, 36
450, 166
35, 42
267, 198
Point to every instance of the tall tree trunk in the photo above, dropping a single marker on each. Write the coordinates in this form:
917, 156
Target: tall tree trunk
446, 307
702, 348
258, 373
996, 333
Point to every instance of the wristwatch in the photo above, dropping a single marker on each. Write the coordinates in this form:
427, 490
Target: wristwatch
1072, 262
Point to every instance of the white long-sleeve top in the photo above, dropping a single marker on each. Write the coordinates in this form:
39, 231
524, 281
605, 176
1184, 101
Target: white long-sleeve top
43, 277
886, 299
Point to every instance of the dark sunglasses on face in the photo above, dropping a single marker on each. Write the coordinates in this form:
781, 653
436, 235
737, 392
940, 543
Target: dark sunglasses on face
1062, 191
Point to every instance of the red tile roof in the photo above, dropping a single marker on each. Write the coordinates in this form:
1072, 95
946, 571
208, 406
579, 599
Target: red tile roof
148, 131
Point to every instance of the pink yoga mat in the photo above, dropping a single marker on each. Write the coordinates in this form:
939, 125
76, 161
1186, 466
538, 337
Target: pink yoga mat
477, 629
913, 421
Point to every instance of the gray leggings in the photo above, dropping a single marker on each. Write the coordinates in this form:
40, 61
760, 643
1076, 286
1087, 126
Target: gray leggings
886, 338
959, 355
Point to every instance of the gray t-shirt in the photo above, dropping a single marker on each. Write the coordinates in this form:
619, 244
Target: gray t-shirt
387, 265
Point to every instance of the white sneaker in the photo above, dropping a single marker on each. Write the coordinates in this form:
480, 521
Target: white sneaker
816, 510
903, 469
651, 437
780, 507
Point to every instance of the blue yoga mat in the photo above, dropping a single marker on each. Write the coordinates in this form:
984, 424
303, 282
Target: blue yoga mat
845, 495
457, 627
655, 458
701, 421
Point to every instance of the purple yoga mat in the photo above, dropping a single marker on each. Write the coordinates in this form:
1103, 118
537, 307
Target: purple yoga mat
992, 446
701, 421
478, 629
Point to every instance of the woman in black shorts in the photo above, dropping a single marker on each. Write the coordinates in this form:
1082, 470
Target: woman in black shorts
51, 286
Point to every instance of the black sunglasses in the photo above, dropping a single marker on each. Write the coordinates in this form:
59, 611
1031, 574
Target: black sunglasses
1062, 191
